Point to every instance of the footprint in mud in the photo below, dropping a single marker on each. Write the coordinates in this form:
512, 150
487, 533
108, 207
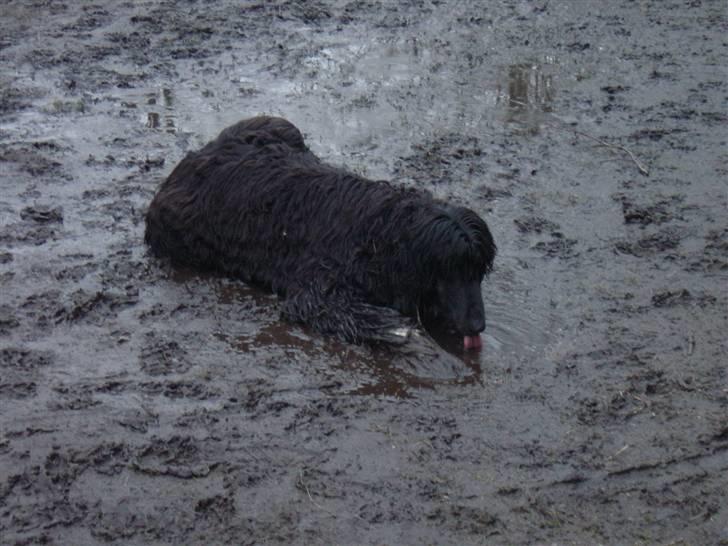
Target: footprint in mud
16, 390
96, 306
76, 396
38, 224
8, 320
219, 508
73, 401
161, 357
680, 297
535, 224
29, 159
436, 160
715, 253
29, 235
24, 359
458, 518
651, 245
178, 456
192, 390
19, 369
75, 273
60, 469
658, 212
670, 298
42, 214
558, 246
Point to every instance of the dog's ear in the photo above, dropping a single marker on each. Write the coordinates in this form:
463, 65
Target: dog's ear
481, 249
491, 252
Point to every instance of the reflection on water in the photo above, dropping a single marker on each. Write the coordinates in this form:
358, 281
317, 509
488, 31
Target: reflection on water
519, 324
529, 85
527, 90
157, 108
164, 98
152, 120
520, 318
383, 370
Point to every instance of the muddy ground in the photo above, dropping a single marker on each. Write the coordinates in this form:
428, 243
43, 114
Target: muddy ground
141, 405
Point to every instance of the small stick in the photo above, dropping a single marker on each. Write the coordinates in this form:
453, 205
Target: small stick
642, 169
317, 505
620, 451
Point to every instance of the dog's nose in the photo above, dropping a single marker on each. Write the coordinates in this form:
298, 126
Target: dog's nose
476, 325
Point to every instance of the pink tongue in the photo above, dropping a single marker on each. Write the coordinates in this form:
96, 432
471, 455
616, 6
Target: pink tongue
472, 342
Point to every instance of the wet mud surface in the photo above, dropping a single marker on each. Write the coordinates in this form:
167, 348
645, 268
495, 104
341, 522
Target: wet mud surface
142, 405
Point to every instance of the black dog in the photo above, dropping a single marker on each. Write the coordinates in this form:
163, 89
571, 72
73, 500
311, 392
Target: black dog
350, 256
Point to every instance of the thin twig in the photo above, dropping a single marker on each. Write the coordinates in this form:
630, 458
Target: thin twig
642, 169
317, 505
620, 451
305, 487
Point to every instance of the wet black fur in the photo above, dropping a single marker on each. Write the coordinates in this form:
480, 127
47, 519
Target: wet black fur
348, 255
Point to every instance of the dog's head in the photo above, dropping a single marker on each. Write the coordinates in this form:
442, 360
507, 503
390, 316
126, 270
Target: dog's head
460, 253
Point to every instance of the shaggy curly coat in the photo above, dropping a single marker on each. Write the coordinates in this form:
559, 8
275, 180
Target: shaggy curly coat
349, 256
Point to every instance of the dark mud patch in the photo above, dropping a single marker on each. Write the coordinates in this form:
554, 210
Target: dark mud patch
557, 246
29, 159
161, 357
659, 243
657, 213
19, 372
38, 225
535, 224
713, 258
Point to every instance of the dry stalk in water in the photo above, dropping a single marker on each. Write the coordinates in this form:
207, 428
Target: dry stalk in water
640, 167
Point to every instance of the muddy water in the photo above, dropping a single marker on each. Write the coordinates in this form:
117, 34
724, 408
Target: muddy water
145, 405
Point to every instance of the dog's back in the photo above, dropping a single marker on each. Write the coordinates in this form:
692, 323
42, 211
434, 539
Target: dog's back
255, 197
190, 193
